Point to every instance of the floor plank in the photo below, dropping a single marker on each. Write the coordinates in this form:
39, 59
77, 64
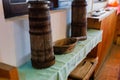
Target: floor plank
111, 67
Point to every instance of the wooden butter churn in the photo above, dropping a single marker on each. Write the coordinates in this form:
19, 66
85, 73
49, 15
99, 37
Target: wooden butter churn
42, 55
79, 20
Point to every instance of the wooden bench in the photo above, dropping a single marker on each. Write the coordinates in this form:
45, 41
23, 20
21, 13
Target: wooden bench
4, 78
8, 72
84, 70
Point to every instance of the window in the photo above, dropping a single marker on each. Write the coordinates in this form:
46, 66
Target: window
14, 8
19, 7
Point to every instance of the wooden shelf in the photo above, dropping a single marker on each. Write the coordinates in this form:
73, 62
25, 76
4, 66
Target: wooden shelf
65, 63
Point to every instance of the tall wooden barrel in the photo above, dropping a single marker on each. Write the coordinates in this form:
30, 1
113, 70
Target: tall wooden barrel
79, 20
42, 55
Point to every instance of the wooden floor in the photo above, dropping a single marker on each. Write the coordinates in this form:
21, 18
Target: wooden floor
111, 67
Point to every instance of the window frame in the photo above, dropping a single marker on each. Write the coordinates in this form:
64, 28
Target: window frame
14, 9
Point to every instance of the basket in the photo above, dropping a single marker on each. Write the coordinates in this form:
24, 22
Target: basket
64, 46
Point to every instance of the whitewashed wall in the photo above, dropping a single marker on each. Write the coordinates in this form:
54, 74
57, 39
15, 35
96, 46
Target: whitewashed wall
7, 42
15, 41
89, 5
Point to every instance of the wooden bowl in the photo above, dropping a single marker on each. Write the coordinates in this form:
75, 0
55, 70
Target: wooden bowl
64, 46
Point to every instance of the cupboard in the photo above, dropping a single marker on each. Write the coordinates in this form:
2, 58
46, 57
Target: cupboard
107, 23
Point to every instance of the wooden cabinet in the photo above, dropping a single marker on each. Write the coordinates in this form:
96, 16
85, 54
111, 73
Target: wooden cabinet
107, 24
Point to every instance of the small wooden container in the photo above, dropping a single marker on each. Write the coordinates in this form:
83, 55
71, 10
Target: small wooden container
84, 70
64, 46
42, 54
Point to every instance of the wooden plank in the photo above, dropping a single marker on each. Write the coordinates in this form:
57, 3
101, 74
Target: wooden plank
91, 71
